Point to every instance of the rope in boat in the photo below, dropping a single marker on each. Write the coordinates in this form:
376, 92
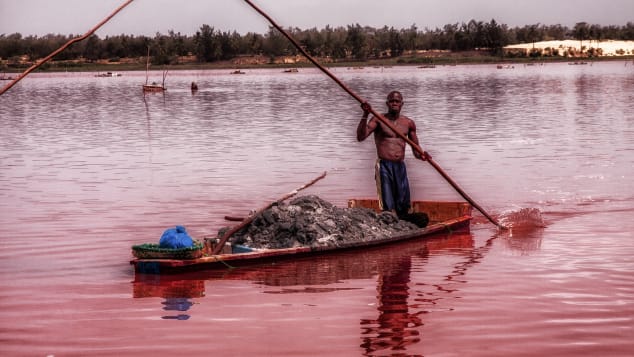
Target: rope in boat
223, 262
56, 52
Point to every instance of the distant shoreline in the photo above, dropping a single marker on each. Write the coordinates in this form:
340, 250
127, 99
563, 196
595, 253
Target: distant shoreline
439, 61
611, 51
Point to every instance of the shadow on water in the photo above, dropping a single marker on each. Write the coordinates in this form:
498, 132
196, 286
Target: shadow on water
401, 302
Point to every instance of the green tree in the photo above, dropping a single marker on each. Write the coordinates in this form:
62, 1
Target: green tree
113, 47
396, 43
533, 34
627, 33
581, 32
274, 43
335, 42
495, 37
252, 44
447, 37
11, 45
229, 45
92, 51
208, 48
554, 32
410, 37
477, 35
595, 32
356, 42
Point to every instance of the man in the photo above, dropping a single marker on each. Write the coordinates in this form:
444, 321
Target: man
391, 175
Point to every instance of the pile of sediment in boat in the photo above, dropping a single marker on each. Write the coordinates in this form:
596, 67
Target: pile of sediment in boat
312, 221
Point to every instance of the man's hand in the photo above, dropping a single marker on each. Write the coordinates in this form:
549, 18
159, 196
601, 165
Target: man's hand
424, 157
367, 108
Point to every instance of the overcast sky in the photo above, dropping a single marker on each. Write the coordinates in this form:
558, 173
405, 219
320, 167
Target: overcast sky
147, 17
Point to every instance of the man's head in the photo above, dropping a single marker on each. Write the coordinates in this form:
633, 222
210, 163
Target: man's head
394, 102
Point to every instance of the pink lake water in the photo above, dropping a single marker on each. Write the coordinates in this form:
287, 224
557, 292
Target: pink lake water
90, 166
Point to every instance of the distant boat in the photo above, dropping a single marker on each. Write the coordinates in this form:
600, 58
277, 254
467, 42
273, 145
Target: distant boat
237, 71
577, 63
6, 78
108, 74
291, 70
427, 66
154, 87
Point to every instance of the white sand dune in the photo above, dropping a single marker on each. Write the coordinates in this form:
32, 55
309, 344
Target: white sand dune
608, 47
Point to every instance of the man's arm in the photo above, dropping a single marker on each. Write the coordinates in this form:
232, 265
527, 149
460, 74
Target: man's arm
411, 134
366, 126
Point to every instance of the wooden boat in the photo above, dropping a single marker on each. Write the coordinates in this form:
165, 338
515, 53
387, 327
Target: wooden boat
154, 87
108, 75
444, 217
367, 263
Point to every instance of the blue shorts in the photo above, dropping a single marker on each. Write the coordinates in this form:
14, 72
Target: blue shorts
392, 186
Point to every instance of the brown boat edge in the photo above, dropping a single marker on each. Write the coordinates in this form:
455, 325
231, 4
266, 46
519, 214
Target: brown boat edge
444, 217
153, 88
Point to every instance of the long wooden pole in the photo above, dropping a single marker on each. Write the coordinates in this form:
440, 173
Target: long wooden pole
249, 219
147, 64
76, 39
379, 117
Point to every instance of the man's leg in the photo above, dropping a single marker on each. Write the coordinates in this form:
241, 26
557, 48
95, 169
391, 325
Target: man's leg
401, 187
385, 185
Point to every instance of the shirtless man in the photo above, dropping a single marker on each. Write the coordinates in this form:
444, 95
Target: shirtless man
390, 172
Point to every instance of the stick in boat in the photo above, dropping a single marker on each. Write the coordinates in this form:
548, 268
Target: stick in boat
249, 219
380, 118
77, 39
147, 65
234, 218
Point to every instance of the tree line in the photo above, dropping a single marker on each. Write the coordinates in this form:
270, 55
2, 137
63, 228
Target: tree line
352, 42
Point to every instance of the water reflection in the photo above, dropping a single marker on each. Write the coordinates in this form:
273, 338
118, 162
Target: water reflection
396, 327
175, 291
402, 299
525, 241
176, 304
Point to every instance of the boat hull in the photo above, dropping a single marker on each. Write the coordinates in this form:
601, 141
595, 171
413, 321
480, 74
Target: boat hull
153, 88
445, 217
